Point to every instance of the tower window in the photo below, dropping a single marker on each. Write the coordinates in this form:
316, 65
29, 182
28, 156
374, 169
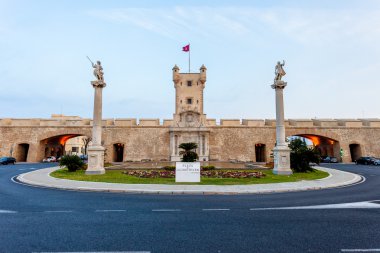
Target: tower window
189, 101
181, 101
189, 83
197, 102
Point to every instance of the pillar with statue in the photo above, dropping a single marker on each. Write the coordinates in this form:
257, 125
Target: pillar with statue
281, 151
96, 150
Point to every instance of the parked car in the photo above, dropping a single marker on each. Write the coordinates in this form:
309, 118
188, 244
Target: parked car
83, 157
376, 161
7, 160
364, 160
49, 159
330, 159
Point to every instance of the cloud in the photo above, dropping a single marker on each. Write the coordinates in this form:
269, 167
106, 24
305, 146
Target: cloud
301, 25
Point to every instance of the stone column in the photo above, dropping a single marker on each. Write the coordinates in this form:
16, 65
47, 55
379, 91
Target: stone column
96, 150
281, 151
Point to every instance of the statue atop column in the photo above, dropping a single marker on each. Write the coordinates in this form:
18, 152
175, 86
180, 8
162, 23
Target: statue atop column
98, 73
279, 71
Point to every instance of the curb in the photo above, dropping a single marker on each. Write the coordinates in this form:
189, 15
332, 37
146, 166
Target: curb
305, 185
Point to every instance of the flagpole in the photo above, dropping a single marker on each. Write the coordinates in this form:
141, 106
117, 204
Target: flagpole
189, 57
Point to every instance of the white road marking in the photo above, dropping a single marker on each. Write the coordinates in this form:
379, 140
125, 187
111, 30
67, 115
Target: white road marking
99, 211
359, 205
166, 210
7, 211
360, 250
59, 211
93, 252
216, 209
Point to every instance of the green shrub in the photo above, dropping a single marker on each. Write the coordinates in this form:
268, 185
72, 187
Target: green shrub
72, 162
208, 167
168, 168
301, 156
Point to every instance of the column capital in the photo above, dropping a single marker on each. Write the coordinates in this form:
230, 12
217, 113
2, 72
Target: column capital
98, 84
279, 84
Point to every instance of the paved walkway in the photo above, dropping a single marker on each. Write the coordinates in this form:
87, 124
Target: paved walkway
42, 178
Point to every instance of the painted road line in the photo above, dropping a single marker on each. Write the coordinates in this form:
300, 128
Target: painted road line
100, 211
7, 211
166, 210
360, 250
59, 211
216, 209
92, 252
355, 205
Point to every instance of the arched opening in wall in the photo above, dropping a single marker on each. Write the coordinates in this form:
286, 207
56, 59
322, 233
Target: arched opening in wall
22, 152
68, 144
260, 152
355, 151
118, 152
326, 146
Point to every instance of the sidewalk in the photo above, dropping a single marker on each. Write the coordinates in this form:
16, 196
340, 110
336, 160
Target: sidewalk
42, 178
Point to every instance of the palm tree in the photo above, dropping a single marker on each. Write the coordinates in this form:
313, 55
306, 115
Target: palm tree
188, 153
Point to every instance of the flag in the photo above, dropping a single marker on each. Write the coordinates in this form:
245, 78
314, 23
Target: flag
186, 48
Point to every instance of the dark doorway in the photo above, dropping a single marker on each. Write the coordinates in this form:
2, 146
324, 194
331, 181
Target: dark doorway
355, 152
260, 152
22, 154
118, 152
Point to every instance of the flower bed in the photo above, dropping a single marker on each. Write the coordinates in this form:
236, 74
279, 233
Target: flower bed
208, 174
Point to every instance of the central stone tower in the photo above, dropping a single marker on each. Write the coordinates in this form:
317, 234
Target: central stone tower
189, 121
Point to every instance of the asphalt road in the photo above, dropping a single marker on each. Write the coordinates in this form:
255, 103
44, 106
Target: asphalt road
47, 220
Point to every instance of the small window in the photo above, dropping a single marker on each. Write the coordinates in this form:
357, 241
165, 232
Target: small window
181, 101
189, 101
189, 83
197, 102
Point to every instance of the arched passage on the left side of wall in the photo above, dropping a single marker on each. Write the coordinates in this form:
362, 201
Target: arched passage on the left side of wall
63, 144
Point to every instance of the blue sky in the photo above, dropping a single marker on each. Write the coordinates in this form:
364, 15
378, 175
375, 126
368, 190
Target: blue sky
331, 49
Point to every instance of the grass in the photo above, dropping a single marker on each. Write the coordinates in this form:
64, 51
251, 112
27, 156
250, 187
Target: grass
116, 176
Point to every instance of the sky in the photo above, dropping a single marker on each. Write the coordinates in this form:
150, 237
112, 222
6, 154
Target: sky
331, 52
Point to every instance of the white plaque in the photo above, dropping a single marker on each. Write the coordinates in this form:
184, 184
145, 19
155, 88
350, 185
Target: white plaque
187, 172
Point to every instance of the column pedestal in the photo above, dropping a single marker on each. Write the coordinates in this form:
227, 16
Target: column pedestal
282, 160
95, 160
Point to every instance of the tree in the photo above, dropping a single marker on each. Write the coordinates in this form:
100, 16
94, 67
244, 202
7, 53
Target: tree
301, 156
86, 141
188, 153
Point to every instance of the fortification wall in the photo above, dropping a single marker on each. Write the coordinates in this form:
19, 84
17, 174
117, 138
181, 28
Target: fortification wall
149, 138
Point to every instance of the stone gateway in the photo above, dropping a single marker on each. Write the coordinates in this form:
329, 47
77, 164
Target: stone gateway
127, 139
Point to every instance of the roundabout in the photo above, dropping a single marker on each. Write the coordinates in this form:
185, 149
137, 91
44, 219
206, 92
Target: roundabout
43, 178
336, 219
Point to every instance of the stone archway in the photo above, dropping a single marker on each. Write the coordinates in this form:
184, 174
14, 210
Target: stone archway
260, 152
326, 145
55, 146
355, 151
22, 151
118, 152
